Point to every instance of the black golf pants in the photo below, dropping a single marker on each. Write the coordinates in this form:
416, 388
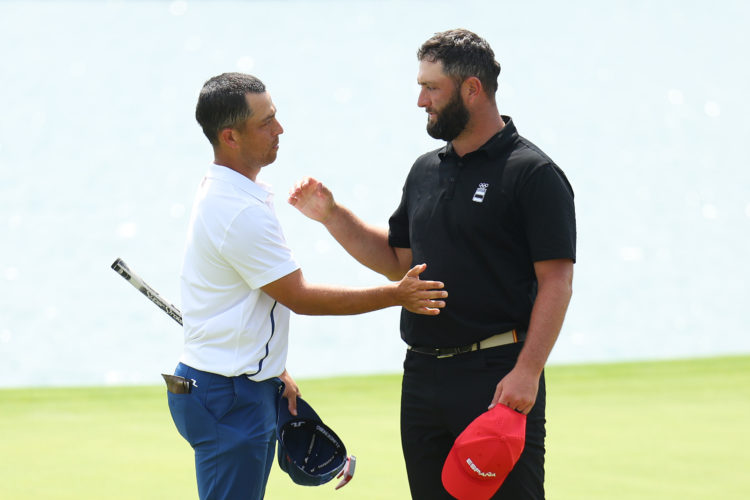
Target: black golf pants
440, 397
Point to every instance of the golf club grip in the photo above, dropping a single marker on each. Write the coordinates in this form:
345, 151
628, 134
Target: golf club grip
123, 270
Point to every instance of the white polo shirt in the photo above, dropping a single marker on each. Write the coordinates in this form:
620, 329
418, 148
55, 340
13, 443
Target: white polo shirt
234, 246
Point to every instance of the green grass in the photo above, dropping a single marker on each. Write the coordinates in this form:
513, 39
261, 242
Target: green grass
676, 430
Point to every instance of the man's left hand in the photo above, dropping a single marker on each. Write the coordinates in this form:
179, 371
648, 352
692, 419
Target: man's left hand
291, 391
517, 390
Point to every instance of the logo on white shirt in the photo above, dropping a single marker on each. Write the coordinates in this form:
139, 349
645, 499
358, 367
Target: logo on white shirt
480, 192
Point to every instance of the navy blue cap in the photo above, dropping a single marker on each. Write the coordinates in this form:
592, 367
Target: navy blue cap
309, 451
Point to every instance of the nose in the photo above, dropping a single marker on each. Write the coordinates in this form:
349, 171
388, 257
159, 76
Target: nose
422, 100
279, 129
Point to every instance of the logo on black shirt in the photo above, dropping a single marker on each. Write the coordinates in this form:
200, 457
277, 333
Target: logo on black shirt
480, 192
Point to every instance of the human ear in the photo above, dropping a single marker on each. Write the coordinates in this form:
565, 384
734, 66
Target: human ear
471, 87
226, 137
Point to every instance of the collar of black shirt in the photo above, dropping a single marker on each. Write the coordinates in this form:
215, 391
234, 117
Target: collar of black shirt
492, 148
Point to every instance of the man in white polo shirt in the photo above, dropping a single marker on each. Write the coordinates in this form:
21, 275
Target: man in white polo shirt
239, 282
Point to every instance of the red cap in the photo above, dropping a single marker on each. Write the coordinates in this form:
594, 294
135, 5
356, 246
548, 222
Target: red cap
484, 454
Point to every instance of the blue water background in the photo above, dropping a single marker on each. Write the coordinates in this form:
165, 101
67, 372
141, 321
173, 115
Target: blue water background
643, 104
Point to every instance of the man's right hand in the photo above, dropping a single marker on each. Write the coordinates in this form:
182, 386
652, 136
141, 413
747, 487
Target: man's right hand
366, 243
419, 296
313, 199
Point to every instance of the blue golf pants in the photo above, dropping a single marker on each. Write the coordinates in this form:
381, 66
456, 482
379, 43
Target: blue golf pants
231, 424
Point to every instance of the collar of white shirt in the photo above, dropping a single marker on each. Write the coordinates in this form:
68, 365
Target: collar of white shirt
258, 190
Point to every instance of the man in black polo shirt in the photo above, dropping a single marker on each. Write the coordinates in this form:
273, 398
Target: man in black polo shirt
493, 218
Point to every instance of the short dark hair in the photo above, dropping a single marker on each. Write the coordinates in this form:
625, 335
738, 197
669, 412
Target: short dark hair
463, 54
222, 103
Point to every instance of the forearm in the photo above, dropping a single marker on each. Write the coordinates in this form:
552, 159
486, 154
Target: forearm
519, 388
318, 300
418, 296
366, 243
546, 322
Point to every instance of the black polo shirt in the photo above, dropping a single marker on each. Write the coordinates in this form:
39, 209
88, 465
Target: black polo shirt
480, 222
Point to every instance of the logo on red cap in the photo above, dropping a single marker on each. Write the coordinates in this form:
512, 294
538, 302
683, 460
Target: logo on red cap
478, 470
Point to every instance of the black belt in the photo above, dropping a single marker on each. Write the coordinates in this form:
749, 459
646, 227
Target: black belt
510, 337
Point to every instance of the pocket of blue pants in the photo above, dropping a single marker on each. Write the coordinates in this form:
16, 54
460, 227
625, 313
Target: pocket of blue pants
191, 418
220, 397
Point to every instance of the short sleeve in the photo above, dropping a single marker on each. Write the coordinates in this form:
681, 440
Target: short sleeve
255, 247
398, 224
549, 214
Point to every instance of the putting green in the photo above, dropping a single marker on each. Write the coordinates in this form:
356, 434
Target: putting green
675, 429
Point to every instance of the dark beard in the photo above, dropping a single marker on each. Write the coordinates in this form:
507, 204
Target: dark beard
451, 120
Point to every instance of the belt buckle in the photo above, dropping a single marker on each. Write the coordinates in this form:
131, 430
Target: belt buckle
456, 350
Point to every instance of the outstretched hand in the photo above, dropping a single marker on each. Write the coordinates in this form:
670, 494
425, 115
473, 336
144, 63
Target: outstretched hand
420, 297
312, 198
